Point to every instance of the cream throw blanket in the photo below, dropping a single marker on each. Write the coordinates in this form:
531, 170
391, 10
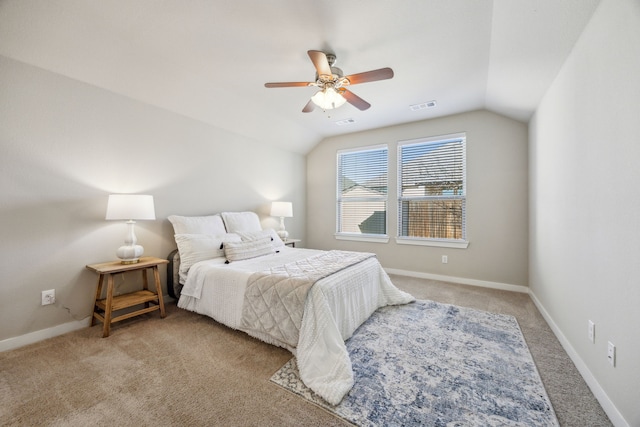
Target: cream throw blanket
275, 298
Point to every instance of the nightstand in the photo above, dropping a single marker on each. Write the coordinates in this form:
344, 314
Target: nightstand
103, 308
292, 242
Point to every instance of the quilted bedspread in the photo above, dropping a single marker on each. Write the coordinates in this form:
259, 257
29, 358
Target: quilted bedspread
285, 308
275, 298
333, 308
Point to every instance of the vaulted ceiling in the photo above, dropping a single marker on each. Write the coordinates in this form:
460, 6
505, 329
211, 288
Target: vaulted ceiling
209, 59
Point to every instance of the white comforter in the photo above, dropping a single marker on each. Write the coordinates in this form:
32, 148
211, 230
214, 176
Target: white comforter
335, 307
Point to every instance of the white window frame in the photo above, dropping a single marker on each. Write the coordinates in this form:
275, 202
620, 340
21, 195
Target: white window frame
462, 243
361, 237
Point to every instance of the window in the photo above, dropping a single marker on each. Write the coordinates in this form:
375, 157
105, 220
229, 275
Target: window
361, 201
432, 191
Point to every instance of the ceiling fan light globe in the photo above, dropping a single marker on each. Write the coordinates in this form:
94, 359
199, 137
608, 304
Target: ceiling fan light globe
328, 99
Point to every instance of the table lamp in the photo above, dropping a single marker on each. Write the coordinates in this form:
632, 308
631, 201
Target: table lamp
282, 209
130, 207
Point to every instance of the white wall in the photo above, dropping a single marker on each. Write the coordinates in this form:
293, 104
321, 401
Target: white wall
585, 199
496, 199
67, 145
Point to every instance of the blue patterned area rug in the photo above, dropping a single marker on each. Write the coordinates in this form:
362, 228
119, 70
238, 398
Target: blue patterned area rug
433, 364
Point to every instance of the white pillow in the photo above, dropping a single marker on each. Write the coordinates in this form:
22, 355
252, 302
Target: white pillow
211, 224
276, 241
241, 221
237, 251
200, 247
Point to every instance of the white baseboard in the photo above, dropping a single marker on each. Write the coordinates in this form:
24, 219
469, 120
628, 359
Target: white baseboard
612, 412
54, 331
461, 280
43, 334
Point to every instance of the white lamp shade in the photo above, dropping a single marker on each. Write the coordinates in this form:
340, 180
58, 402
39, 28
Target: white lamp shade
328, 99
130, 206
282, 209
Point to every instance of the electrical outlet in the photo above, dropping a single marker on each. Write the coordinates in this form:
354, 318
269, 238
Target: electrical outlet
445, 259
611, 354
592, 331
48, 297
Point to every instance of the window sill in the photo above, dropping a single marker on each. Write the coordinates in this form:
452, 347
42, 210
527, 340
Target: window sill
363, 237
455, 244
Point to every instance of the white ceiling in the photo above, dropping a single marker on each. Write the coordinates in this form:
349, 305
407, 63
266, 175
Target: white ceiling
209, 59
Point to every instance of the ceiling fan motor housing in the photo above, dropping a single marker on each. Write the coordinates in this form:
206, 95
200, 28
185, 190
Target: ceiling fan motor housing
336, 73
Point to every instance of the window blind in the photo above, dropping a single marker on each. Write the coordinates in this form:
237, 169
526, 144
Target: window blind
432, 188
361, 201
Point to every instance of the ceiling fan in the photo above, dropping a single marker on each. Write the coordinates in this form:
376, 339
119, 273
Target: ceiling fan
331, 82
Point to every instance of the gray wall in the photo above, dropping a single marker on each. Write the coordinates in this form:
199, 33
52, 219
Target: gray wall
67, 145
496, 199
585, 237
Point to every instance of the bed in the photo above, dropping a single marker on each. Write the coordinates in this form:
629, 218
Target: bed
307, 301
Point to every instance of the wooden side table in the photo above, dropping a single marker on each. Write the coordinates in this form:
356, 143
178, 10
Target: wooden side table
292, 242
103, 308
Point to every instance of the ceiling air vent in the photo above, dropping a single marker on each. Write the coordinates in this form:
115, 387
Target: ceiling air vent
345, 122
424, 105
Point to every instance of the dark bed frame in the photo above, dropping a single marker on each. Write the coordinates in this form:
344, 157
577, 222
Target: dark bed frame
173, 278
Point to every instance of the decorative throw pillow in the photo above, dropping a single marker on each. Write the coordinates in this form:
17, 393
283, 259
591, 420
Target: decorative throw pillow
200, 247
276, 241
212, 224
241, 221
237, 251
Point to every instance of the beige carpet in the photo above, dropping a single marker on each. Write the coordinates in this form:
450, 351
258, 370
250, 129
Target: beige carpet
188, 370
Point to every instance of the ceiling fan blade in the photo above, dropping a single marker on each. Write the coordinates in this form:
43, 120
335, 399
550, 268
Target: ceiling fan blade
319, 60
355, 100
309, 107
371, 76
288, 84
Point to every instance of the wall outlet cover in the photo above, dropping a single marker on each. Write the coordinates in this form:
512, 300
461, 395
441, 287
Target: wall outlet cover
49, 297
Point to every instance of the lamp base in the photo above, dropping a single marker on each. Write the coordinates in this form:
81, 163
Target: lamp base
130, 254
282, 232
